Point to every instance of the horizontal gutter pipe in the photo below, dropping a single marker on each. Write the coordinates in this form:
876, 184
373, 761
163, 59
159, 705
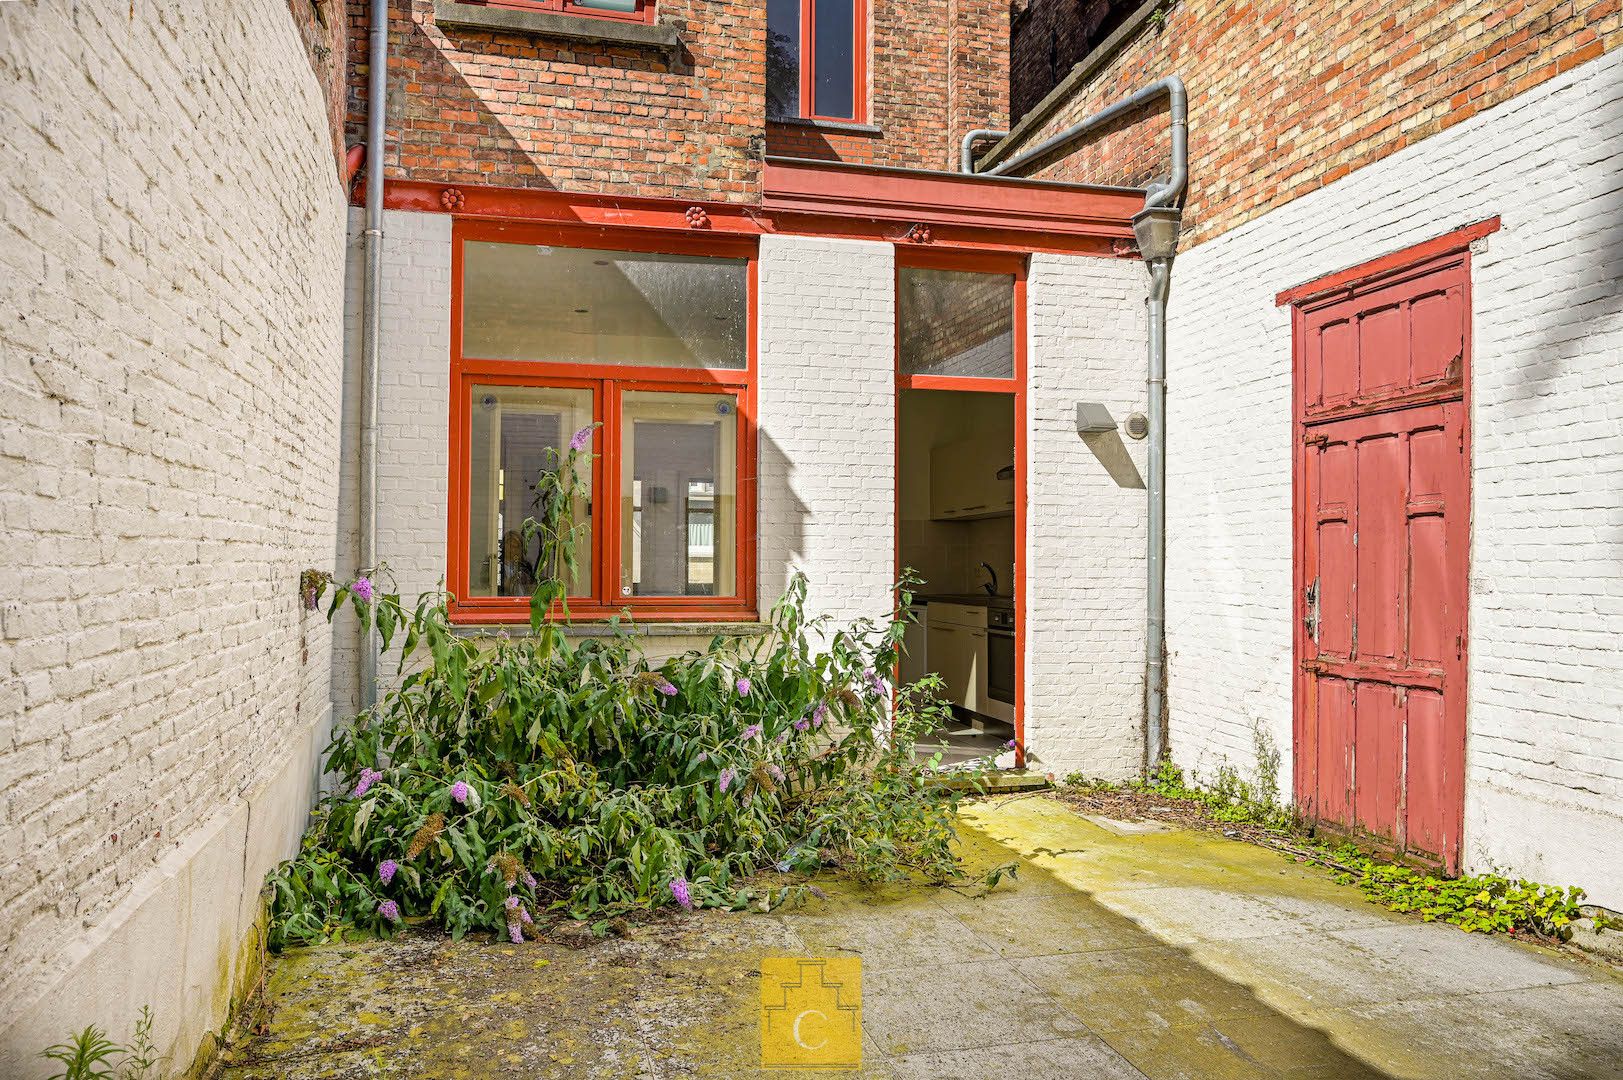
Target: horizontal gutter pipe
966, 158
1159, 194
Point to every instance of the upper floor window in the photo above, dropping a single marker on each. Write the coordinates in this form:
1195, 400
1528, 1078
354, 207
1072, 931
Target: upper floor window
633, 10
815, 55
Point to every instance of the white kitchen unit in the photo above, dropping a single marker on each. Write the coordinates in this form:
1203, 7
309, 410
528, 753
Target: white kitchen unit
971, 478
957, 644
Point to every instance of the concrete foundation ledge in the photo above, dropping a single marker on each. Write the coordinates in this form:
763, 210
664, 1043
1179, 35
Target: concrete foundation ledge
187, 941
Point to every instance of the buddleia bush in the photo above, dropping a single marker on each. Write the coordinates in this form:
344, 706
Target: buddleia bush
513, 776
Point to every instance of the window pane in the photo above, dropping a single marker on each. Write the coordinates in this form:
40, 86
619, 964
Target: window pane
835, 66
678, 494
580, 305
517, 434
782, 58
628, 6
953, 322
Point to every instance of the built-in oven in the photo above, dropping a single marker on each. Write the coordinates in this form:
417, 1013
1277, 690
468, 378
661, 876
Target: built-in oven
1000, 655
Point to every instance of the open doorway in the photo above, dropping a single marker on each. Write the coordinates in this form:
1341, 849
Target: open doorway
960, 471
956, 528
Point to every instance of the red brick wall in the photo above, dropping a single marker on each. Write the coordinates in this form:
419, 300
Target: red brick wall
937, 69
515, 110
1287, 97
321, 25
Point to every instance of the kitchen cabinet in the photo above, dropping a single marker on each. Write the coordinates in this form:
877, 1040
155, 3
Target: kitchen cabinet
964, 483
957, 651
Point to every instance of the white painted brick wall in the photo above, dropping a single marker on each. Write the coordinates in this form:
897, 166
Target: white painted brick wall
171, 259
827, 413
1544, 793
1084, 528
414, 388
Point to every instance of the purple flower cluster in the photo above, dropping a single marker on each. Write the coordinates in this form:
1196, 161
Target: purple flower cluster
361, 588
802, 724
819, 714
389, 910
876, 685
368, 778
459, 791
680, 890
666, 687
725, 780
581, 438
387, 870
529, 880
742, 686
775, 772
753, 731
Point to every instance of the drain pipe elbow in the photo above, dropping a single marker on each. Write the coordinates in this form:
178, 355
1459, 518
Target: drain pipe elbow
1171, 192
966, 155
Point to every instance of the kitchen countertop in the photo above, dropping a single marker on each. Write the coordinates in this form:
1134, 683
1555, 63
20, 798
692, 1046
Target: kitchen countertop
979, 599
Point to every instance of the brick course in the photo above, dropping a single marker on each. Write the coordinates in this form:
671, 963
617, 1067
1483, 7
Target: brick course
1285, 98
170, 361
1544, 773
475, 106
1084, 571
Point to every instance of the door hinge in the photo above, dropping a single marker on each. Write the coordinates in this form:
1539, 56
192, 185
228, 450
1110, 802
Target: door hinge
1310, 606
1459, 646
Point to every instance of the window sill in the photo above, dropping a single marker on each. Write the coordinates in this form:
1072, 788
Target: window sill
834, 127
604, 629
658, 36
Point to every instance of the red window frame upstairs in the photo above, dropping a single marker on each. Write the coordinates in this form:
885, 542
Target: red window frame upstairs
608, 382
644, 12
808, 65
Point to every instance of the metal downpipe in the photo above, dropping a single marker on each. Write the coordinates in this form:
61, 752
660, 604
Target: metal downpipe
377, 95
1155, 603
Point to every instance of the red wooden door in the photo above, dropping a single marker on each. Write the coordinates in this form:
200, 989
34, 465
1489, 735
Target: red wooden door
1382, 532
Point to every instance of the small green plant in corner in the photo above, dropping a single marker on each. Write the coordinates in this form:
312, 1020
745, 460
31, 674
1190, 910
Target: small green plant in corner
1486, 903
91, 1055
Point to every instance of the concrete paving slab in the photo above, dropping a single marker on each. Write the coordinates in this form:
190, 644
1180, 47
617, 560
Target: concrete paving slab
1061, 1059
958, 1007
1161, 954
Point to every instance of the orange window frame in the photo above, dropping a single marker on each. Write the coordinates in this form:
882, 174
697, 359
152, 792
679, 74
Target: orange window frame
859, 64
644, 12
985, 263
608, 382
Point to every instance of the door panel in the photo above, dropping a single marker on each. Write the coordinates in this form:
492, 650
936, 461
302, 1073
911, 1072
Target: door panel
1382, 534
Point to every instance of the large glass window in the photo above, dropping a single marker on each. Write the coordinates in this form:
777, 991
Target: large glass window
517, 435
658, 361
815, 60
679, 469
955, 323
589, 306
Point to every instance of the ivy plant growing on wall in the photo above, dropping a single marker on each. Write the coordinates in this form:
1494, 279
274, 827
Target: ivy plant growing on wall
513, 776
